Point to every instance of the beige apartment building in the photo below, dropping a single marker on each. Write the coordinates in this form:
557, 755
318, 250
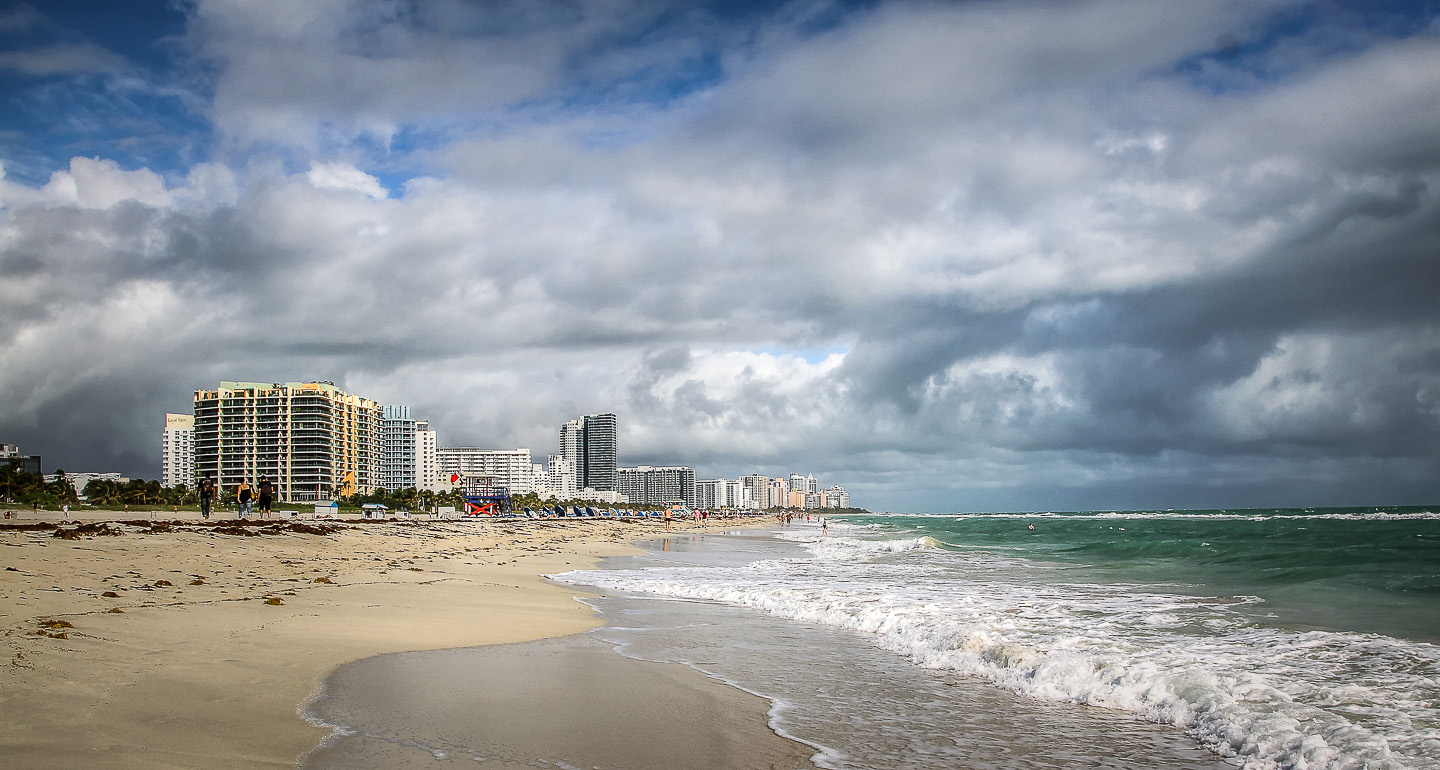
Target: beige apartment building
311, 439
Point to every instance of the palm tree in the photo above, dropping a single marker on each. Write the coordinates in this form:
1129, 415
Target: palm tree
62, 489
407, 498
16, 485
103, 492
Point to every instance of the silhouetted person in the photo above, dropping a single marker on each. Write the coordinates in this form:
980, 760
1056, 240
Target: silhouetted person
267, 496
207, 496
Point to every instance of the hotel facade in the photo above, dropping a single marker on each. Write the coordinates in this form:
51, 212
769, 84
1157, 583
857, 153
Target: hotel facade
652, 486
399, 439
311, 439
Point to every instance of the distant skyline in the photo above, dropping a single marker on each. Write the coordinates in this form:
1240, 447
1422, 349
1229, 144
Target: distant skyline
955, 256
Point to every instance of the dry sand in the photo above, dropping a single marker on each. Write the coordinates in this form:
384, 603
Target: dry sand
194, 648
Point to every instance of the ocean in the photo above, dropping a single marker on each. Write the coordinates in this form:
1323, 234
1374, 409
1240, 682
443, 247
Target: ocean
1277, 638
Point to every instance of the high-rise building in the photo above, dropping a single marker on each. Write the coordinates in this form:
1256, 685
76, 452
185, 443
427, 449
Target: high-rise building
427, 471
10, 456
312, 439
397, 449
510, 468
649, 485
572, 443
177, 451
709, 493
602, 444
592, 443
720, 493
757, 487
561, 477
736, 496
779, 493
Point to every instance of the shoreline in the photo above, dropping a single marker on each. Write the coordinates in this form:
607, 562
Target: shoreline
192, 647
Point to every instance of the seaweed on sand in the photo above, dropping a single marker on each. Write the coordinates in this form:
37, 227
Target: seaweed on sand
100, 528
38, 526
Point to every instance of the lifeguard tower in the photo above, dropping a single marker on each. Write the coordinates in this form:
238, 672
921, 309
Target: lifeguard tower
483, 497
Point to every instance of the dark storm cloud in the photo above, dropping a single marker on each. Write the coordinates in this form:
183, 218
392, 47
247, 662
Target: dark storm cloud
952, 255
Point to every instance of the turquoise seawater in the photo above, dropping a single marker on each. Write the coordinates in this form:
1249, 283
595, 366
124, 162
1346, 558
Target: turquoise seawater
1348, 569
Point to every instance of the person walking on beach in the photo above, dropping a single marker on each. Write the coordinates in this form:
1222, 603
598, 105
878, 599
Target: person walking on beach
207, 496
267, 496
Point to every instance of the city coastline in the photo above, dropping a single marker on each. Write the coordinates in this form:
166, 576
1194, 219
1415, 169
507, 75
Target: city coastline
168, 644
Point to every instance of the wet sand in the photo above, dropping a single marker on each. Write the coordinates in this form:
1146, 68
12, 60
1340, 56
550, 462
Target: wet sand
569, 702
194, 647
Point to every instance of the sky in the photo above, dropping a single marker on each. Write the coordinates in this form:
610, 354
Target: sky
955, 256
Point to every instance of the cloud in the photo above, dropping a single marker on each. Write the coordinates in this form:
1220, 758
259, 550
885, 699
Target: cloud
100, 184
343, 176
333, 72
1325, 389
972, 255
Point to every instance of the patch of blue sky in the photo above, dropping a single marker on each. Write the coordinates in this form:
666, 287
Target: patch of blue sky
711, 30
1294, 37
114, 99
691, 64
820, 18
116, 117
812, 356
142, 31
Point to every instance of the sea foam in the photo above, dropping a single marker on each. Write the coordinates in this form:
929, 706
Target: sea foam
1264, 697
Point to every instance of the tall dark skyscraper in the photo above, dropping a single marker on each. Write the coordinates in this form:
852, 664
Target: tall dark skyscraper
601, 450
592, 444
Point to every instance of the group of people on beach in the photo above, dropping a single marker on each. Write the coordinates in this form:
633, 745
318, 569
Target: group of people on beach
245, 497
785, 517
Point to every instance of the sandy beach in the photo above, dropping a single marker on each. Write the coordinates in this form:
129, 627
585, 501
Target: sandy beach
162, 645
